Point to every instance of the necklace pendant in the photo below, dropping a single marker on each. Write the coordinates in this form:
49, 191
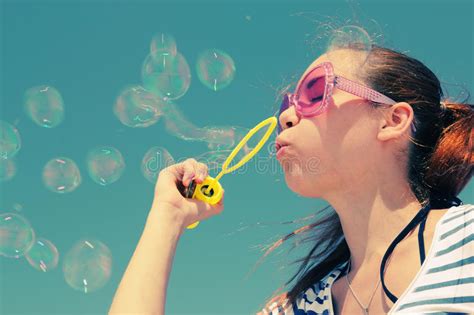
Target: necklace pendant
366, 311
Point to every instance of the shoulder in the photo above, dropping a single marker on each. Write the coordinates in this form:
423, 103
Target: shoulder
458, 214
455, 233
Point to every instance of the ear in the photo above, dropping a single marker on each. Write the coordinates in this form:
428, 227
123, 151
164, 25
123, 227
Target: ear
396, 121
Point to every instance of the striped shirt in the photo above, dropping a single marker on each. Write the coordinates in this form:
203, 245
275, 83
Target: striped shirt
443, 285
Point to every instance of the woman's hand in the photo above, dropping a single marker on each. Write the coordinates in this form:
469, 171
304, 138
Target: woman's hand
169, 202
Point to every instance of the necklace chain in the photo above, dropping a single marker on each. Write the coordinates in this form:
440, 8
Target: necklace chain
366, 309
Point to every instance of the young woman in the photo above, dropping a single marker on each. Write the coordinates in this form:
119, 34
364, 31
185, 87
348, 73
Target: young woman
393, 155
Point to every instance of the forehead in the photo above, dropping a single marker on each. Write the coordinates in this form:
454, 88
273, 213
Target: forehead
344, 63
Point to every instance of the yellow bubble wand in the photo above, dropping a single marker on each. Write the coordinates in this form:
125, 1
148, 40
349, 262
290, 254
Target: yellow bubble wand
210, 190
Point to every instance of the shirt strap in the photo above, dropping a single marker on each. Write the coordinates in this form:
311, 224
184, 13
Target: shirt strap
420, 217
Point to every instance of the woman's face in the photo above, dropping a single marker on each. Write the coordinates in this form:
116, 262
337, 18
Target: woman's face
326, 152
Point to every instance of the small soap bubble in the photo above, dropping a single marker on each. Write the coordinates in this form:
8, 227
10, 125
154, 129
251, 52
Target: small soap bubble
43, 256
353, 37
44, 105
163, 44
61, 175
167, 76
87, 266
155, 159
137, 107
16, 235
215, 69
105, 165
10, 141
7, 169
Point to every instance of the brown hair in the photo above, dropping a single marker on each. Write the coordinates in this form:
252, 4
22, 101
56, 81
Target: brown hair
440, 160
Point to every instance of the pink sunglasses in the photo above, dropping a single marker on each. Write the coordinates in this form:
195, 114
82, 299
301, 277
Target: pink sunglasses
313, 93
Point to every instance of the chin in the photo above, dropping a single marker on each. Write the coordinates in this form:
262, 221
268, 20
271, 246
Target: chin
307, 192
301, 185
295, 183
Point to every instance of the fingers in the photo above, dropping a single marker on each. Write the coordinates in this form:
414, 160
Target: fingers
193, 170
185, 172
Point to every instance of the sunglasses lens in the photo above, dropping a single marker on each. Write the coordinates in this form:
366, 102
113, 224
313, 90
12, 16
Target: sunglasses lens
284, 106
311, 90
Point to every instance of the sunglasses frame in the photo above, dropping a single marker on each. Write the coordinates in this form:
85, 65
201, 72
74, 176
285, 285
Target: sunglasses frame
331, 81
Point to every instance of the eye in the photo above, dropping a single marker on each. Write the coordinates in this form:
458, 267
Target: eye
316, 99
315, 89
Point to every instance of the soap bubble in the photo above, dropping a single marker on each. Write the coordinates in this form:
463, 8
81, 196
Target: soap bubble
61, 175
87, 266
44, 105
43, 256
7, 169
213, 159
137, 107
178, 125
215, 69
219, 137
105, 165
353, 37
10, 141
167, 76
16, 235
163, 44
155, 159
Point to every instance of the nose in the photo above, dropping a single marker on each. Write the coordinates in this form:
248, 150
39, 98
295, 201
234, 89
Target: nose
288, 118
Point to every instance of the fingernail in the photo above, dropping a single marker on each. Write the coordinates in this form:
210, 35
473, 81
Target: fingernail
187, 179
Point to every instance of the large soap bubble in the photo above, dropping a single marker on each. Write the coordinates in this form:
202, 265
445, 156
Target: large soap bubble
137, 107
87, 266
219, 137
10, 141
61, 175
16, 235
105, 165
44, 105
167, 76
178, 125
215, 69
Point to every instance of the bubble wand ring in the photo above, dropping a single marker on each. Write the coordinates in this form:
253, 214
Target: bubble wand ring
210, 190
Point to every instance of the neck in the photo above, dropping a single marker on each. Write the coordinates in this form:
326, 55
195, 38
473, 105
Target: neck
372, 216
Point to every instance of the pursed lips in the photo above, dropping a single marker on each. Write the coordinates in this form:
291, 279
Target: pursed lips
280, 147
